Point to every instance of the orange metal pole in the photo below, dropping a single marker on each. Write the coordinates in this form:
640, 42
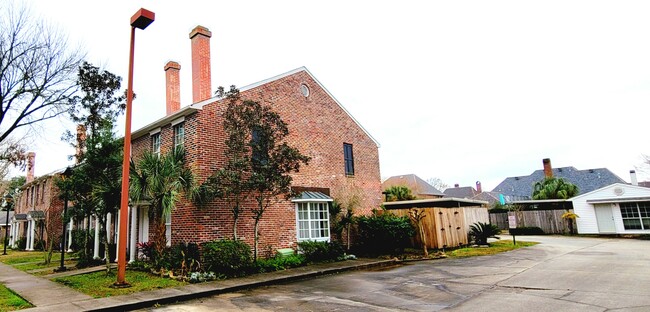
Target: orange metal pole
124, 206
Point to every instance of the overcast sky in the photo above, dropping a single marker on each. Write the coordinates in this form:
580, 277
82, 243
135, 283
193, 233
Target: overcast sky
459, 90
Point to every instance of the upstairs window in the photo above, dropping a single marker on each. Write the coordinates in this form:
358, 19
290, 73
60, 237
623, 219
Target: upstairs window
348, 157
155, 143
179, 135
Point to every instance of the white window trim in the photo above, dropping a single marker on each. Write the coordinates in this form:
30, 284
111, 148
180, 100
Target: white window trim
168, 229
309, 220
177, 121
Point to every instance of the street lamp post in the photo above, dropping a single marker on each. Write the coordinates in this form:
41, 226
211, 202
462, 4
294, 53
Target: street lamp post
141, 20
7, 199
66, 174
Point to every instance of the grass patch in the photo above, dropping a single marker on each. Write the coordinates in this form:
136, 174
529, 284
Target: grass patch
98, 284
495, 248
17, 258
9, 301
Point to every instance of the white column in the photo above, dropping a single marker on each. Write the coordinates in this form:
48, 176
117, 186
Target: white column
117, 228
134, 228
96, 251
30, 235
11, 234
69, 241
109, 235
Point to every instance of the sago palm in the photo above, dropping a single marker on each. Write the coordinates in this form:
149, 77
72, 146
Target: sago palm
160, 180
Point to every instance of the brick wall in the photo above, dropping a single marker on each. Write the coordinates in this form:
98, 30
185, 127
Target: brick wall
42, 195
318, 128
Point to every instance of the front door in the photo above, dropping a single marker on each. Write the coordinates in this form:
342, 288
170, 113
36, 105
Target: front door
605, 218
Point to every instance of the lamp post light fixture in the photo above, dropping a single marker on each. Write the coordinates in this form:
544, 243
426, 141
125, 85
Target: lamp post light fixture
64, 175
7, 203
141, 19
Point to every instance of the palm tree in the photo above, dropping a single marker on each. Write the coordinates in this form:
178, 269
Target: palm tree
399, 193
554, 188
160, 180
557, 188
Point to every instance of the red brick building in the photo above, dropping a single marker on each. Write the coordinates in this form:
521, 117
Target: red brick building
38, 209
344, 157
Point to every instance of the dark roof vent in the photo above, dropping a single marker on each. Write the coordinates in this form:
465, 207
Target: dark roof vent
517, 178
559, 169
591, 170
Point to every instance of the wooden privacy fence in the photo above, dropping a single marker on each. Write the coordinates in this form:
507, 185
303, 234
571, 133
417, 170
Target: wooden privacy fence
550, 221
447, 227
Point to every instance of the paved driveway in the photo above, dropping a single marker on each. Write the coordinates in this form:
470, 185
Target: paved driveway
561, 274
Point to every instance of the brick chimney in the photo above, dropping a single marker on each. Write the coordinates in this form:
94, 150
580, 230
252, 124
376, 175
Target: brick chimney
81, 143
633, 177
173, 83
201, 75
548, 170
31, 156
478, 187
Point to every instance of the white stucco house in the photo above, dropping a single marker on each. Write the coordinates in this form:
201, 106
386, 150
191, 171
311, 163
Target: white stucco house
614, 209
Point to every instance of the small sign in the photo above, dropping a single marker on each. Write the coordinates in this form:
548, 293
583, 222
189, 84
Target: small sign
512, 222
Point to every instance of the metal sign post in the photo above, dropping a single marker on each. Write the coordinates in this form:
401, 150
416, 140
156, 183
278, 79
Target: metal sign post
512, 224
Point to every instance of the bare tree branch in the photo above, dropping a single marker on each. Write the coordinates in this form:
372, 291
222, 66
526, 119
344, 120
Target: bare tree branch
37, 70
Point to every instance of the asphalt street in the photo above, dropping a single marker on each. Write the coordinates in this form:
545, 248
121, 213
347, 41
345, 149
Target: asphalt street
560, 274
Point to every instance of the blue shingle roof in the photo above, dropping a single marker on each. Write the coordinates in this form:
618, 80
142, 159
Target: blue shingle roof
586, 181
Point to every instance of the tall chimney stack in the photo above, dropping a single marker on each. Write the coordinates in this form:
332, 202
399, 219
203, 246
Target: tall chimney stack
478, 187
633, 177
201, 75
81, 143
548, 170
173, 83
31, 156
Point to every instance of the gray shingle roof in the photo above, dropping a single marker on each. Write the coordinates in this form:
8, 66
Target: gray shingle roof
586, 181
417, 185
460, 192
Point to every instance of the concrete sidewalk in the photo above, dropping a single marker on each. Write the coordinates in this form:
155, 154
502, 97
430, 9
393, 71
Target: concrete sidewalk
50, 296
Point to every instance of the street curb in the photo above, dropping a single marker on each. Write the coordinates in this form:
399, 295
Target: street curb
246, 285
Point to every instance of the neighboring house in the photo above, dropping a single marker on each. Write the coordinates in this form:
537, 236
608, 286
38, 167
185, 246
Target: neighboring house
618, 208
344, 157
490, 197
521, 188
420, 188
463, 191
37, 205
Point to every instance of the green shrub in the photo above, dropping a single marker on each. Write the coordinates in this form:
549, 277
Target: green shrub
528, 230
184, 258
384, 233
228, 257
321, 251
280, 263
480, 232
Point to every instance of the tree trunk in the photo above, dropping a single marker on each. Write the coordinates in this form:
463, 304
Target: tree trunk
347, 233
234, 227
423, 235
257, 222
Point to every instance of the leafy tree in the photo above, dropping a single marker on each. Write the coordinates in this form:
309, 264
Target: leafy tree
160, 180
398, 193
554, 188
230, 182
100, 103
36, 70
95, 184
272, 159
259, 160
